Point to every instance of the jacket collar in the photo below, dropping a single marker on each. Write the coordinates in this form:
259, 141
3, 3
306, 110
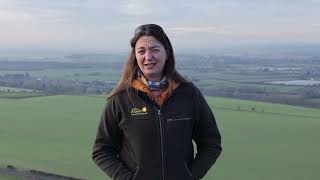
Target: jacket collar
143, 86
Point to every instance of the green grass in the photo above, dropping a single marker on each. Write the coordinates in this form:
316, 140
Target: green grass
19, 95
7, 177
56, 133
53, 134
267, 146
264, 108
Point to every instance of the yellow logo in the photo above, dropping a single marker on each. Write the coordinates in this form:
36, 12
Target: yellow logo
137, 112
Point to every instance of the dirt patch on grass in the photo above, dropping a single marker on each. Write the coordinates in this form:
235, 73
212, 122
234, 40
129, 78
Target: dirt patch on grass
32, 174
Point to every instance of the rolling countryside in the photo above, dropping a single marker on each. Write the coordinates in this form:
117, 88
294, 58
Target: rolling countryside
260, 140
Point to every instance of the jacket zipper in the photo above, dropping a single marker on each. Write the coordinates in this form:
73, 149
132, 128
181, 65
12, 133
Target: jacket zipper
161, 143
161, 137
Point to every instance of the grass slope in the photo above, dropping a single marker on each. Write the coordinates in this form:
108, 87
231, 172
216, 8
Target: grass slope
55, 134
266, 146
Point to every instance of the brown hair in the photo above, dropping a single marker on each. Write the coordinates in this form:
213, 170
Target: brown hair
131, 67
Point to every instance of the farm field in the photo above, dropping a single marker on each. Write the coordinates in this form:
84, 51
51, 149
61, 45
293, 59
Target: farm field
16, 93
19, 95
73, 74
11, 89
241, 77
260, 140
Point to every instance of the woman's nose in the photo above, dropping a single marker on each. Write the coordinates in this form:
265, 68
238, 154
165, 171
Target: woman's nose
148, 55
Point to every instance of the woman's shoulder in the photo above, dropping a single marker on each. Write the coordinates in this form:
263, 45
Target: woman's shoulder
117, 95
189, 86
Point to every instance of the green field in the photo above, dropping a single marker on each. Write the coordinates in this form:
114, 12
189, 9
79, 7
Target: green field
7, 177
73, 74
16, 93
55, 134
11, 89
233, 77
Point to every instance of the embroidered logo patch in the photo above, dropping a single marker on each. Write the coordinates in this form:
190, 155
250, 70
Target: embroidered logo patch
138, 112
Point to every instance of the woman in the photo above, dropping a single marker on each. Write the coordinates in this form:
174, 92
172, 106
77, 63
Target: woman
152, 116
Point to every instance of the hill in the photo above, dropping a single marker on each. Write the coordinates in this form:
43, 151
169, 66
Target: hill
260, 140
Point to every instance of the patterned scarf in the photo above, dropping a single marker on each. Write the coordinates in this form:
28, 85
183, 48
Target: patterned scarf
154, 85
157, 85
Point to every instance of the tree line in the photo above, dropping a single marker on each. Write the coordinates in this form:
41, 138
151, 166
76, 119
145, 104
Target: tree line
55, 86
299, 97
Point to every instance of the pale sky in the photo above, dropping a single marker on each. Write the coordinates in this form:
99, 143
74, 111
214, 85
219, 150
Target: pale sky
105, 25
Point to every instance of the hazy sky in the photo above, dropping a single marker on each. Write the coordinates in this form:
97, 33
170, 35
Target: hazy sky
106, 25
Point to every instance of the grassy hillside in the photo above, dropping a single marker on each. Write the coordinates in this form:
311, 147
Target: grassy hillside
260, 140
53, 134
277, 144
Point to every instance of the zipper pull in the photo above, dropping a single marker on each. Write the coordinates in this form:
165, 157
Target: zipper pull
159, 112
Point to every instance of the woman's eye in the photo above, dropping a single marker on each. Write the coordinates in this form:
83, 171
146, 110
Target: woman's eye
141, 52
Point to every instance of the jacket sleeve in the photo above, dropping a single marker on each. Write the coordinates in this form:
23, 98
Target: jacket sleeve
107, 145
207, 138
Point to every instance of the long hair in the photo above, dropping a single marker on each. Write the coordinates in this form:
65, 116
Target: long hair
131, 67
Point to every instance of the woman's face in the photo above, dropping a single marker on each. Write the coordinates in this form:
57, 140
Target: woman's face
151, 57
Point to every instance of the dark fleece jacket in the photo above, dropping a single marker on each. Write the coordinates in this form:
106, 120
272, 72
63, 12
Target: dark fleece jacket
139, 140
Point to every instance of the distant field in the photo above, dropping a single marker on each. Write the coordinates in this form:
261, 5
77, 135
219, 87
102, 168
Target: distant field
208, 77
86, 74
55, 134
16, 93
216, 84
19, 95
2, 88
314, 100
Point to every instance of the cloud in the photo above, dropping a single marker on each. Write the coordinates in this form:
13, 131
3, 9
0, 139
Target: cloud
10, 16
200, 29
31, 13
100, 21
135, 7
